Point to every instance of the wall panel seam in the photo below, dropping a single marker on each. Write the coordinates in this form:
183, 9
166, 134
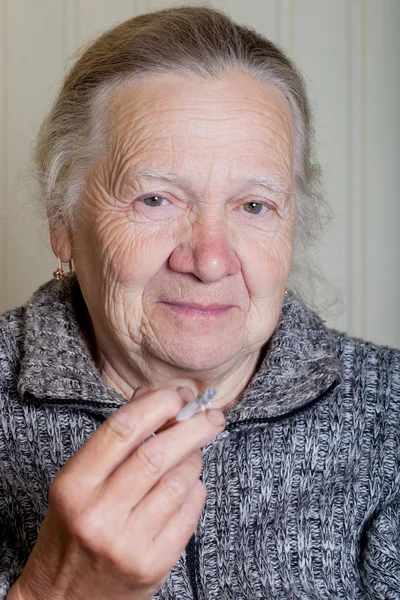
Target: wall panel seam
5, 176
355, 213
77, 22
350, 203
363, 163
284, 24
277, 21
71, 27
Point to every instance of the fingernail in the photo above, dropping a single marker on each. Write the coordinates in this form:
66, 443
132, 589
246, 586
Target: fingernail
216, 417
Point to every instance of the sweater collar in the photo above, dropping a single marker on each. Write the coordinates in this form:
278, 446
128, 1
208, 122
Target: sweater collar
300, 361
57, 367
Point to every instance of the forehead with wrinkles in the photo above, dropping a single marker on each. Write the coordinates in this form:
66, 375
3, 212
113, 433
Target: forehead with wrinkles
204, 131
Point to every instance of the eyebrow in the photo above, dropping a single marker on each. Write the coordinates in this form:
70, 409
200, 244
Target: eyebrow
149, 172
272, 182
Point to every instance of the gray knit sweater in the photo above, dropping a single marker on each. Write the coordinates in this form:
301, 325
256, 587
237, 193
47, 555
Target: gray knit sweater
303, 486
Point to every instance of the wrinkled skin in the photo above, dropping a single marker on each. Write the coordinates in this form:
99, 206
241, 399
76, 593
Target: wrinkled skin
123, 508
200, 240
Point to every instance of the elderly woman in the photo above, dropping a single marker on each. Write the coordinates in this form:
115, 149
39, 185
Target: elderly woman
176, 170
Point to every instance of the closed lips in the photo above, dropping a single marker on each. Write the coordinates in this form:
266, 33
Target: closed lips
195, 306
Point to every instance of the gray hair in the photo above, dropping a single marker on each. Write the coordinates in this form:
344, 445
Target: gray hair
187, 40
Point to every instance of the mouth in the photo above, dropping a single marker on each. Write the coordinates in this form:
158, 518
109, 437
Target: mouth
199, 310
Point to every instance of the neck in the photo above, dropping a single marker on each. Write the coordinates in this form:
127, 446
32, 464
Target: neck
229, 380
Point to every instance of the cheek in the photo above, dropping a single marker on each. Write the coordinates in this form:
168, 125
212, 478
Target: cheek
120, 251
139, 253
129, 254
266, 262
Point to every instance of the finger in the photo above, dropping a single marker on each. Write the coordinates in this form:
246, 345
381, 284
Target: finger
139, 392
120, 434
171, 542
187, 395
152, 514
142, 470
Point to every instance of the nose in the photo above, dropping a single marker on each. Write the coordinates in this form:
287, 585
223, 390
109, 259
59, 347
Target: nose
207, 254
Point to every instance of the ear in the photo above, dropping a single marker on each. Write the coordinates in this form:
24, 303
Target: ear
60, 238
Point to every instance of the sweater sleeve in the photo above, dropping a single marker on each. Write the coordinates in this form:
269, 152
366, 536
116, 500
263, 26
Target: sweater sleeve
10, 565
380, 555
11, 553
13, 536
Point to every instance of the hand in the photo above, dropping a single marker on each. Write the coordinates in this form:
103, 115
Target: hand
121, 511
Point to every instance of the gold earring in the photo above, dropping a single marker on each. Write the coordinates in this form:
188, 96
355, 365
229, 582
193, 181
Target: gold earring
60, 273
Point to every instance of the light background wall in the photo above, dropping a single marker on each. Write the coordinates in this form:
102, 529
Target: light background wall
349, 51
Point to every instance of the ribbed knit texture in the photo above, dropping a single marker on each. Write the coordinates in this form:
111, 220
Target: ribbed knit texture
303, 486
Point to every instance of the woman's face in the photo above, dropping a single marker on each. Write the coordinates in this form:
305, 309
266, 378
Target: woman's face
184, 240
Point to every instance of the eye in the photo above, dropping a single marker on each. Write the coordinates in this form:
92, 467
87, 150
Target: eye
155, 201
255, 208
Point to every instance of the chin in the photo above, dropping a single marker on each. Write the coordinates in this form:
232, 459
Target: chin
199, 357
194, 344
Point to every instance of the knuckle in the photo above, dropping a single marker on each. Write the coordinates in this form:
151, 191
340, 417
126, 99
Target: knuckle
121, 424
60, 492
114, 552
82, 527
176, 486
143, 572
88, 528
67, 494
56, 491
150, 458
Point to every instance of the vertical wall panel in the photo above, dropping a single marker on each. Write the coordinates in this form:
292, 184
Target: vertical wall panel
142, 6
382, 203
71, 29
35, 53
93, 20
261, 15
284, 12
320, 46
355, 224
3, 178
